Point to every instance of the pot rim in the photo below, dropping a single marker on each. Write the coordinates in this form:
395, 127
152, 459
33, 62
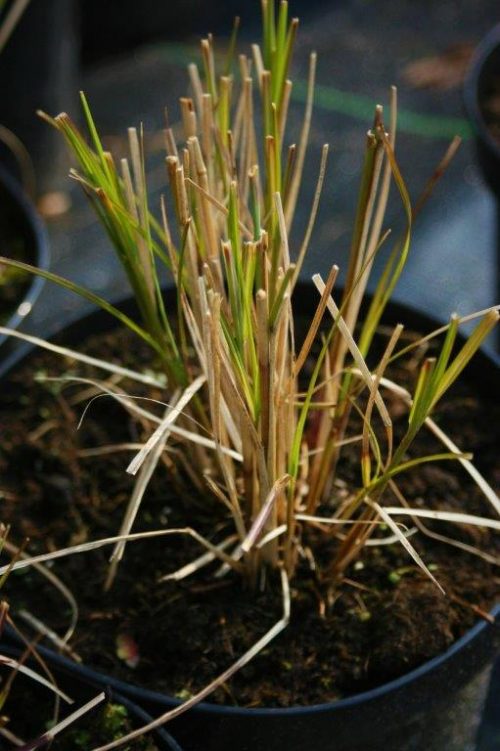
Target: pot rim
485, 48
37, 235
424, 320
139, 693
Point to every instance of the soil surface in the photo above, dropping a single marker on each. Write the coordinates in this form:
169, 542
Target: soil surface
13, 283
384, 620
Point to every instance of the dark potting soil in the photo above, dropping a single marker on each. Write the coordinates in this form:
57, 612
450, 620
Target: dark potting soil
386, 618
29, 712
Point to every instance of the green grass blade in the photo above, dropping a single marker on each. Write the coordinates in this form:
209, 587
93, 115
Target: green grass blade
87, 295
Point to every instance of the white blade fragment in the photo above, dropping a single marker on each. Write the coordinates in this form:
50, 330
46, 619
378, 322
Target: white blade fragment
402, 539
15, 665
445, 516
66, 352
161, 432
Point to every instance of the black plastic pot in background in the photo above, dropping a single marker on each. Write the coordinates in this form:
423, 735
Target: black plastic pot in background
39, 69
138, 716
436, 707
28, 224
483, 70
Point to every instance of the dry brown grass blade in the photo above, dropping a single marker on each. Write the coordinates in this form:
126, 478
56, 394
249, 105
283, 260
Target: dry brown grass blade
261, 520
137, 154
162, 431
211, 329
312, 216
495, 560
315, 323
353, 348
86, 547
45, 631
365, 452
142, 481
13, 664
218, 205
67, 352
200, 562
304, 139
49, 735
386, 516
130, 404
11, 20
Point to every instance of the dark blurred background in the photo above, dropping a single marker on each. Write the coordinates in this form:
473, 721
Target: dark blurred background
130, 58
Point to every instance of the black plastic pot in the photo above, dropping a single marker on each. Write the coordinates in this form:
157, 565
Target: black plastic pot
137, 715
29, 225
484, 66
436, 707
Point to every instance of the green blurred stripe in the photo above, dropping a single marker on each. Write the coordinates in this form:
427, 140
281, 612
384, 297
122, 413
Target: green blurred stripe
357, 106
361, 107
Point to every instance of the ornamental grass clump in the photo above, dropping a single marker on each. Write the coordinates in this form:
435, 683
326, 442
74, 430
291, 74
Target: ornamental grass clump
264, 408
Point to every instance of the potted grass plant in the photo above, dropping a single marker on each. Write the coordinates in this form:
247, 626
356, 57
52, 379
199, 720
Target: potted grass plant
482, 97
300, 454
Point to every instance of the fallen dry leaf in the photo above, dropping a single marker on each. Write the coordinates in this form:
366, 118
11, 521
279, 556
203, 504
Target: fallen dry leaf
127, 650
